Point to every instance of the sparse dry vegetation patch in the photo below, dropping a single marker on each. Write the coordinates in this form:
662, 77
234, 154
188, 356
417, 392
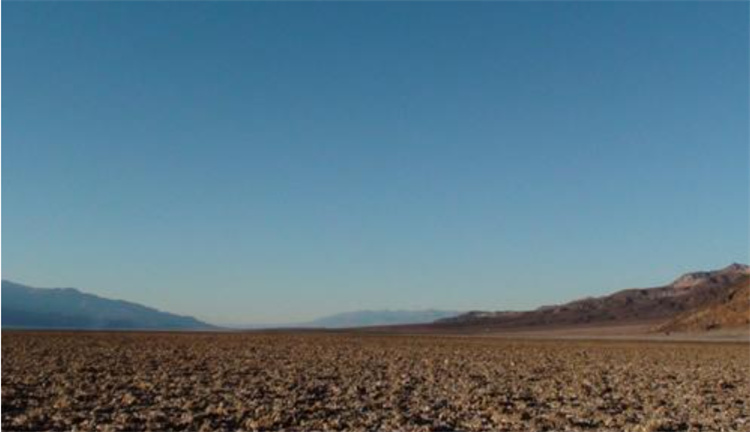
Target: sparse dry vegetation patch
191, 382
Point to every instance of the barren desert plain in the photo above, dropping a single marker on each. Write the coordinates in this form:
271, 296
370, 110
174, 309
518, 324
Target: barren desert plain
307, 381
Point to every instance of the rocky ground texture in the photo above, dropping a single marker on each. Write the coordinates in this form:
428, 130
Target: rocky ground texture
318, 381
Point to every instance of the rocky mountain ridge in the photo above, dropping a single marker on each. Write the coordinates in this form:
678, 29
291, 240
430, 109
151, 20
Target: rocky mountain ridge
686, 294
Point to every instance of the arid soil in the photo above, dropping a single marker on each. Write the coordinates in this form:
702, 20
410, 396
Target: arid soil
329, 381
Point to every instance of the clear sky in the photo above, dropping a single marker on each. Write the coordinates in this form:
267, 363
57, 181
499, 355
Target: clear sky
258, 162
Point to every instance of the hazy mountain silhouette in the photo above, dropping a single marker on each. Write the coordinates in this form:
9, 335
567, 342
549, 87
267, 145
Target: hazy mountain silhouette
366, 318
695, 301
69, 308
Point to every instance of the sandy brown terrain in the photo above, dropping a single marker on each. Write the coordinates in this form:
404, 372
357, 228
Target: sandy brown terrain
319, 381
644, 332
639, 331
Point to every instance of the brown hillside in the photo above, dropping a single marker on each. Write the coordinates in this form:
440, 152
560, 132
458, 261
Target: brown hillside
689, 293
732, 311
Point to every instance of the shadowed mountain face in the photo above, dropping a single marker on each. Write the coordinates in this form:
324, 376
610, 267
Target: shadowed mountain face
689, 293
68, 308
380, 317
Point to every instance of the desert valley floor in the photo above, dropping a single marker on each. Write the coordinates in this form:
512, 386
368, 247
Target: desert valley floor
343, 381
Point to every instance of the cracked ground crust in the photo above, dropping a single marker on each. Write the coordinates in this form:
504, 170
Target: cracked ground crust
319, 381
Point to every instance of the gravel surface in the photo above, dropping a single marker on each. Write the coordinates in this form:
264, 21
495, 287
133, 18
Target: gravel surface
319, 381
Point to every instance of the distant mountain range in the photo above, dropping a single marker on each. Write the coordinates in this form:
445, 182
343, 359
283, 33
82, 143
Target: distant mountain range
693, 302
366, 318
69, 308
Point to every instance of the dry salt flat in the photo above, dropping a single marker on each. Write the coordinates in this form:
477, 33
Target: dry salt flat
354, 382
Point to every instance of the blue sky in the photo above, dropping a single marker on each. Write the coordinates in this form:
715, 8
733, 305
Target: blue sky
258, 162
